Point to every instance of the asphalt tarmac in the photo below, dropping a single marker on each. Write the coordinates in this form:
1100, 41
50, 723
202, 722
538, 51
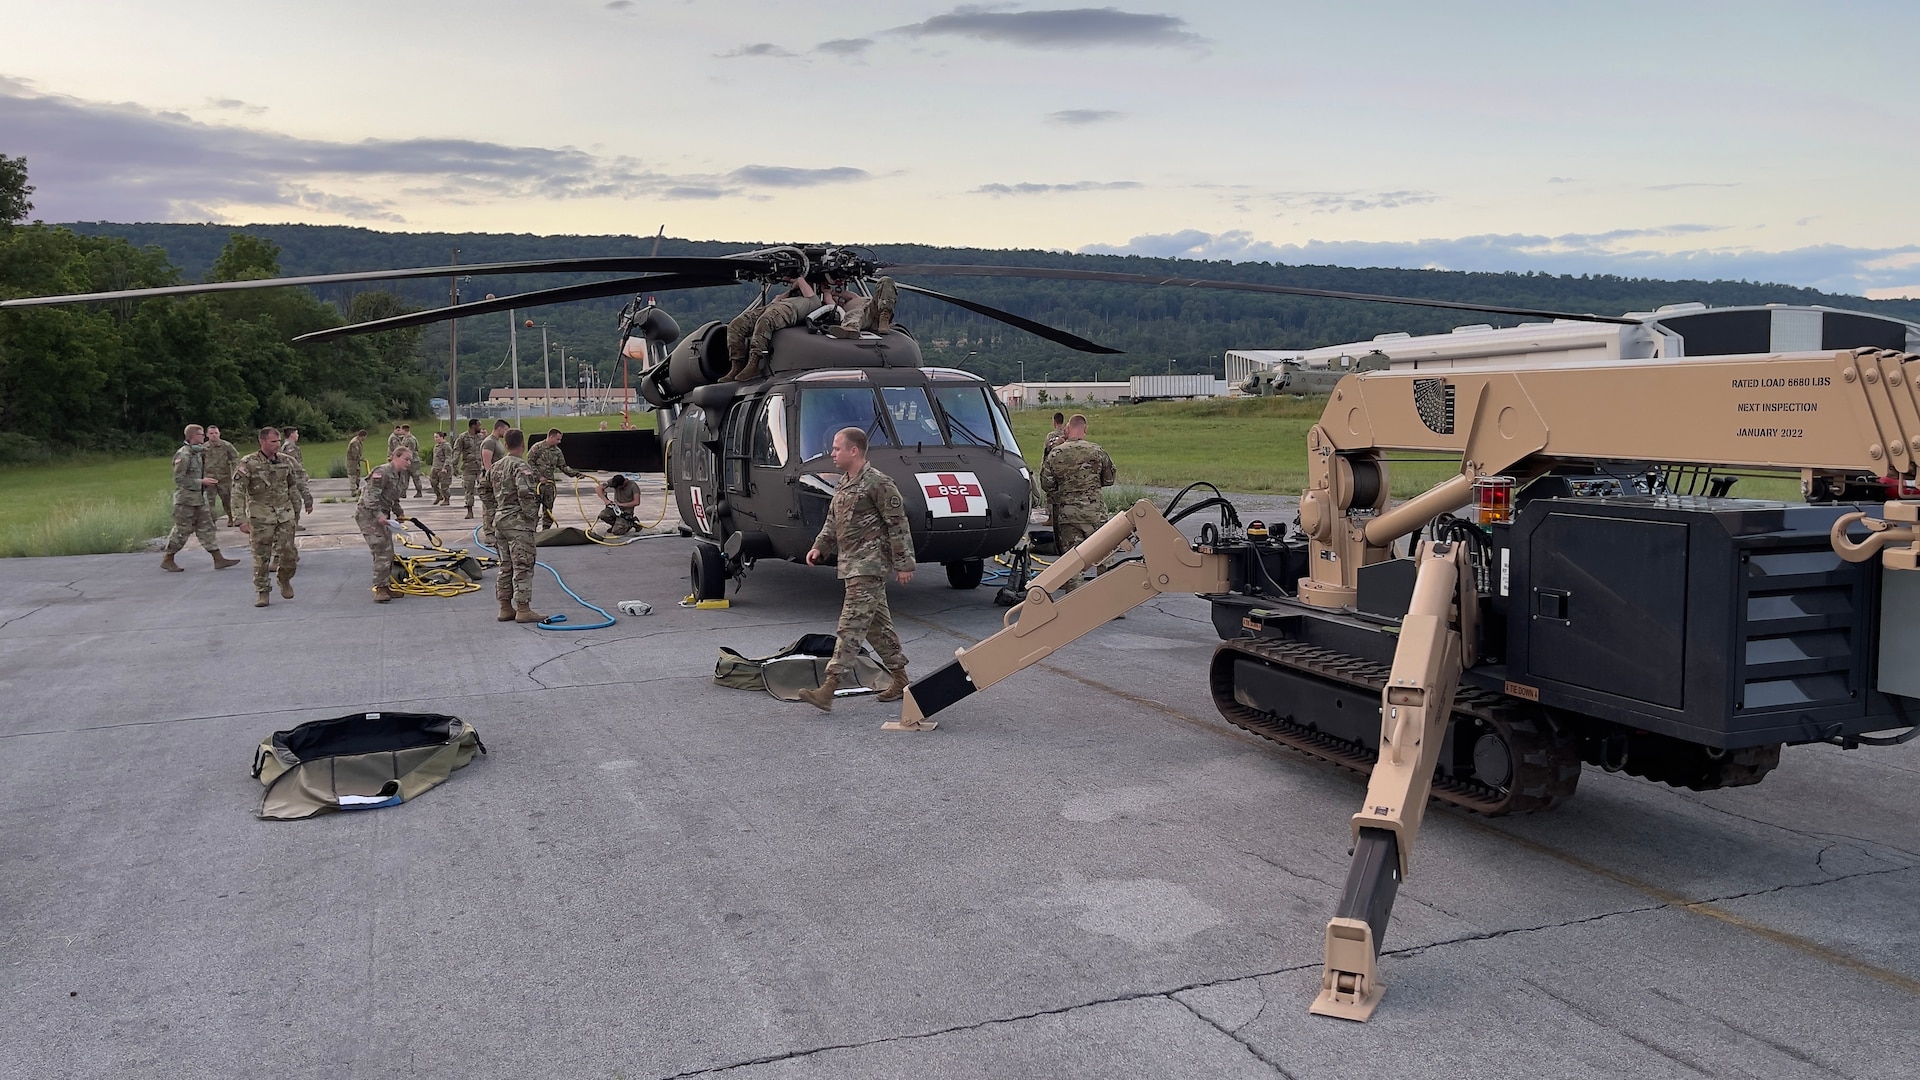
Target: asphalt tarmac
1083, 873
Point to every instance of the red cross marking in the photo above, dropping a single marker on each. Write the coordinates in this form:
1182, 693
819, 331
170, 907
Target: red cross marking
956, 493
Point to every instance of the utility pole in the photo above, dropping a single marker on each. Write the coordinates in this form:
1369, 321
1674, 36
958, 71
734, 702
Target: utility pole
453, 346
546, 361
513, 353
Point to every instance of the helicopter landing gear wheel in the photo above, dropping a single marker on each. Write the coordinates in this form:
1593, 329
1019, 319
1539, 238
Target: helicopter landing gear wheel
709, 573
966, 574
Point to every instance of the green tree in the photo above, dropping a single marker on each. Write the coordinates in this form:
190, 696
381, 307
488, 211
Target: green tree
14, 190
246, 258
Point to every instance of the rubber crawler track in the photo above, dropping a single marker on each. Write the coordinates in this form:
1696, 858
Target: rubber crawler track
1546, 764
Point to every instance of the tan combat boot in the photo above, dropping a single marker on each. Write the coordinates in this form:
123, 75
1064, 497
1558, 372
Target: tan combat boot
170, 566
822, 697
259, 599
896, 687
286, 586
524, 613
506, 612
221, 562
380, 594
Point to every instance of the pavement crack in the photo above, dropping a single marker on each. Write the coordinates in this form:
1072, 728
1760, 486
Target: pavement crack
17, 618
1675, 1055
1290, 871
1145, 995
1234, 1034
1492, 935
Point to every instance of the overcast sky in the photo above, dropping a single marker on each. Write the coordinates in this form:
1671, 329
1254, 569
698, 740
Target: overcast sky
1769, 141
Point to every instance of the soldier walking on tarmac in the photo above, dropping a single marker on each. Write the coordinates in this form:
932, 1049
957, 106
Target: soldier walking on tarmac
380, 505
517, 497
867, 525
1072, 477
546, 459
290, 448
493, 450
413, 447
467, 447
442, 474
266, 488
222, 459
191, 486
356, 458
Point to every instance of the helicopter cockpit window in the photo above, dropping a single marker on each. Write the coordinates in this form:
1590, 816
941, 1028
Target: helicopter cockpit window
913, 419
826, 409
770, 432
970, 419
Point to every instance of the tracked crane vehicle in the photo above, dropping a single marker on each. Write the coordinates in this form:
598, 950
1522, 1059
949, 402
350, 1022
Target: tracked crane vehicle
1605, 602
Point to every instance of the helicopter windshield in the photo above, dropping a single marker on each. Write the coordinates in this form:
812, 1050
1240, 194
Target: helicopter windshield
970, 420
824, 410
913, 419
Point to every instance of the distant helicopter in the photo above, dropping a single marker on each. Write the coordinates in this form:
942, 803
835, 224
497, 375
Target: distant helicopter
748, 460
1300, 378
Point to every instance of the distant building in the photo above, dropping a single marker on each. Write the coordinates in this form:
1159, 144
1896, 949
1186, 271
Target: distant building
598, 400
1027, 395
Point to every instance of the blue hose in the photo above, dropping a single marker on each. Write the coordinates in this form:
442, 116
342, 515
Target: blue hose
552, 622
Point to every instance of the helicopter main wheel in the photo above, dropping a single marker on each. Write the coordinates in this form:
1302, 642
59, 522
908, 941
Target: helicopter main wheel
709, 573
966, 574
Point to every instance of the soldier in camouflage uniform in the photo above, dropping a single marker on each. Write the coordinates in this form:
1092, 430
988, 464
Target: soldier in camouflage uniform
190, 514
517, 496
493, 450
221, 460
290, 448
442, 475
356, 458
466, 446
266, 488
1055, 437
750, 334
380, 504
546, 459
867, 525
1072, 477
413, 455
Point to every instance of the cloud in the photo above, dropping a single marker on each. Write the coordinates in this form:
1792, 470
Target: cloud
1560, 180
844, 46
1052, 189
1079, 117
1677, 187
236, 105
1830, 267
784, 177
123, 162
1061, 28
619, 5
764, 48
1334, 202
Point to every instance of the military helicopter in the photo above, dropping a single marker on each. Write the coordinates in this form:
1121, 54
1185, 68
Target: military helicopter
1300, 378
748, 460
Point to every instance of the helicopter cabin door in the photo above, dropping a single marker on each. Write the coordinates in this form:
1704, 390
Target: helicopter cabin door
758, 463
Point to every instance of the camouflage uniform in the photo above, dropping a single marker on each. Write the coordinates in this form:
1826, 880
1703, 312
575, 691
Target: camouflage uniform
265, 491
546, 459
442, 474
750, 334
292, 450
872, 314
221, 459
867, 525
190, 514
498, 447
1072, 477
467, 447
356, 457
386, 485
518, 498
413, 470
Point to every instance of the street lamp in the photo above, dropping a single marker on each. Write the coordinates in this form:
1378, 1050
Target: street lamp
546, 362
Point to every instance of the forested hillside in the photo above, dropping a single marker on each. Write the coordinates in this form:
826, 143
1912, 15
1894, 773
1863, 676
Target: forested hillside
130, 374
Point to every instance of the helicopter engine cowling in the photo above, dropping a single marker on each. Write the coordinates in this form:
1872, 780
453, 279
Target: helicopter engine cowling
699, 360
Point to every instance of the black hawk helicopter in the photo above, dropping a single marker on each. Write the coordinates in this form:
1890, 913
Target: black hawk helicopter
748, 460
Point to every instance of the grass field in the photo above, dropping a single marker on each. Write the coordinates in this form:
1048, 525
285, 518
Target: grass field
1256, 445
92, 505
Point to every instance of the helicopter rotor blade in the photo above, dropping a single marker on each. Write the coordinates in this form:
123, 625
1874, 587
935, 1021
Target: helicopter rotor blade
728, 268
592, 290
1060, 337
1236, 286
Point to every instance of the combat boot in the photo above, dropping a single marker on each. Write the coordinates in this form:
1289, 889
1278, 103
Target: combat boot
896, 687
822, 697
506, 612
469, 513
733, 371
221, 562
381, 595
524, 613
286, 586
170, 566
260, 599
